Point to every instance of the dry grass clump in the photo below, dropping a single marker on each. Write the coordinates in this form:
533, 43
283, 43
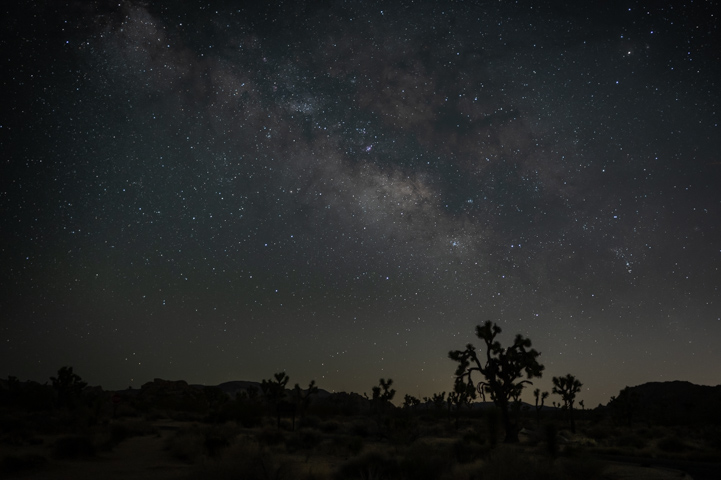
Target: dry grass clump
74, 447
193, 443
248, 460
371, 465
508, 463
423, 461
12, 464
303, 440
132, 427
271, 436
672, 444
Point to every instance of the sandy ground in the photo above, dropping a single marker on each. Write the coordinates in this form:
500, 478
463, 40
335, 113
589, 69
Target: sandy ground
618, 471
144, 458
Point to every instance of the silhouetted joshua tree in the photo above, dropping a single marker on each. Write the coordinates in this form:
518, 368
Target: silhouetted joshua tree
382, 394
274, 392
567, 387
68, 386
542, 396
409, 401
303, 398
438, 400
503, 370
461, 396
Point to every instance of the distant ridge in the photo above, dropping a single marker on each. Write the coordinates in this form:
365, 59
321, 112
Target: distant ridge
234, 387
676, 402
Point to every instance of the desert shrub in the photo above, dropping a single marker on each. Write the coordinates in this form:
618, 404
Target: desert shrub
303, 440
465, 451
672, 444
550, 437
249, 414
309, 421
271, 436
432, 430
372, 465
712, 437
506, 463
631, 440
120, 431
360, 430
125, 410
581, 466
425, 462
598, 432
20, 463
217, 437
329, 427
341, 446
467, 471
192, 443
75, 446
186, 445
246, 461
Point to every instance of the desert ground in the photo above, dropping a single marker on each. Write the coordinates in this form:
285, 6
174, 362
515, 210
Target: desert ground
336, 447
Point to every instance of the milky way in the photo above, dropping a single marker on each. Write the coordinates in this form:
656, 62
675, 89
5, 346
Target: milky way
342, 190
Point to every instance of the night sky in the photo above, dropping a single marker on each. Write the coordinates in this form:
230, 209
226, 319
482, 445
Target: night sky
343, 190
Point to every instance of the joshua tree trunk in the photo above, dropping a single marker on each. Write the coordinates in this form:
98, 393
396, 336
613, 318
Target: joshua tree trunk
508, 425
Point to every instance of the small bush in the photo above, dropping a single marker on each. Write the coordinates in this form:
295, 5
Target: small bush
248, 462
120, 431
360, 430
630, 440
303, 440
217, 438
583, 467
329, 427
271, 436
598, 433
185, 445
672, 445
465, 451
77, 446
309, 422
508, 464
550, 436
355, 445
424, 462
20, 463
369, 466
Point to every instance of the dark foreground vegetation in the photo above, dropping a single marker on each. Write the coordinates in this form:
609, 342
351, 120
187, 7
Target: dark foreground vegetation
316, 435
267, 430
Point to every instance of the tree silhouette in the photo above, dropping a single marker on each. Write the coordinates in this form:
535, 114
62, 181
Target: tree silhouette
274, 391
461, 395
542, 396
409, 401
303, 398
68, 386
567, 387
383, 394
503, 370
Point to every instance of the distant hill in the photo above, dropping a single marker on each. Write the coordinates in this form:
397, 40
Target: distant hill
675, 403
234, 387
